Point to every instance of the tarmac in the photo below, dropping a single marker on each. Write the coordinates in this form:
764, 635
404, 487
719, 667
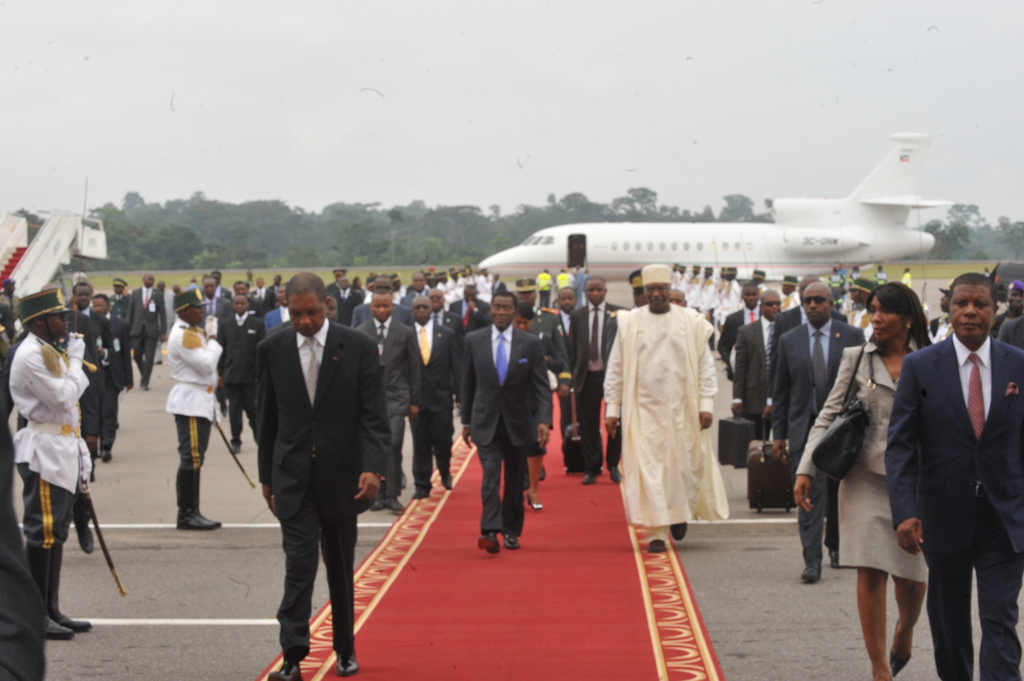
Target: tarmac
201, 605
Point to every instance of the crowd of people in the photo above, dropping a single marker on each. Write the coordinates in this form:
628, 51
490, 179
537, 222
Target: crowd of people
328, 377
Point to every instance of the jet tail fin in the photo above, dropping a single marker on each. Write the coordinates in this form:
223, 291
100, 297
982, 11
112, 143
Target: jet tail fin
898, 175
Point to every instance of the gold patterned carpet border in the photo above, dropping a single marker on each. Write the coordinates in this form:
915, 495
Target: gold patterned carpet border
682, 647
375, 575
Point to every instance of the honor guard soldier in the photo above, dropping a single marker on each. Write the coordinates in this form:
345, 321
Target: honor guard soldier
758, 278
637, 284
547, 322
858, 313
47, 379
193, 358
119, 301
790, 297
940, 327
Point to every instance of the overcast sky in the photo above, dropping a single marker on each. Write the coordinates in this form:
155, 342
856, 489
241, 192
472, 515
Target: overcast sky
488, 103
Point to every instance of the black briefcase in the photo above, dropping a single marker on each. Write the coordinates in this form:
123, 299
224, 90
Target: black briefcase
572, 449
734, 436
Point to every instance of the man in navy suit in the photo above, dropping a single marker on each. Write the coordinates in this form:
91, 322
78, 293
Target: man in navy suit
956, 482
503, 365
432, 430
808, 361
278, 315
471, 312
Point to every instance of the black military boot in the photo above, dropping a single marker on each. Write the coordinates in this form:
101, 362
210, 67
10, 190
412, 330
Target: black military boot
215, 523
80, 513
53, 594
39, 565
188, 518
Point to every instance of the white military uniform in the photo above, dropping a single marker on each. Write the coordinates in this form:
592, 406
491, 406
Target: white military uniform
45, 388
193, 358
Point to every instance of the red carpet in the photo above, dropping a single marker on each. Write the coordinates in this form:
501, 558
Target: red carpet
580, 600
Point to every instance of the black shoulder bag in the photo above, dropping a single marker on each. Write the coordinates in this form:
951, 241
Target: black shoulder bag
840, 445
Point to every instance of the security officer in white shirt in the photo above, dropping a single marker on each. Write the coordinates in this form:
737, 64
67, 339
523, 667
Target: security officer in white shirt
193, 358
47, 379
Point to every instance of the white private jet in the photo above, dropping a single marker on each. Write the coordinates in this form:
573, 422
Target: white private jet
808, 236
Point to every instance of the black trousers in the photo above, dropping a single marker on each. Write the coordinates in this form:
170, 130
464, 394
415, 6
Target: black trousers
302, 536
193, 437
241, 397
48, 510
502, 512
432, 433
565, 408
144, 349
108, 409
998, 571
588, 411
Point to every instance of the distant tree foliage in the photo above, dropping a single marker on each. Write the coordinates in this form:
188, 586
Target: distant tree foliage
203, 233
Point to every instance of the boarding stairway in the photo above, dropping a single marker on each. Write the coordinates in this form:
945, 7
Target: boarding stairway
63, 236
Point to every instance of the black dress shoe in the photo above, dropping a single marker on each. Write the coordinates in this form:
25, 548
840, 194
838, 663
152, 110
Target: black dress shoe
378, 504
85, 537
394, 505
811, 574
615, 474
421, 493
834, 558
446, 481
589, 479
656, 546
55, 632
403, 480
289, 671
191, 520
679, 531
347, 666
145, 388
106, 456
511, 543
236, 446
897, 663
488, 541
77, 626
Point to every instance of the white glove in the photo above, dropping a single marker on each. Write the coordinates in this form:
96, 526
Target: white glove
76, 348
85, 463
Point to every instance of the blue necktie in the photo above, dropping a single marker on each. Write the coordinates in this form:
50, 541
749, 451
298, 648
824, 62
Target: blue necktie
501, 362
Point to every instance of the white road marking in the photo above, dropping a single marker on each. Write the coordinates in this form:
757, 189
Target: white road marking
183, 622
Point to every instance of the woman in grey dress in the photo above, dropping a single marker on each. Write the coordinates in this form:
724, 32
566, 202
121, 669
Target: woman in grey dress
867, 538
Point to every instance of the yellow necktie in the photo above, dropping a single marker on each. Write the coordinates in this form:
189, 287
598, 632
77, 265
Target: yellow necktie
424, 345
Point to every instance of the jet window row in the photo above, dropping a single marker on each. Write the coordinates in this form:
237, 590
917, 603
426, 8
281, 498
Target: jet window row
712, 246
538, 241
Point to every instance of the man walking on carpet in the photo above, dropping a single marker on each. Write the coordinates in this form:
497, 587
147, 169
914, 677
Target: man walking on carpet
661, 382
503, 365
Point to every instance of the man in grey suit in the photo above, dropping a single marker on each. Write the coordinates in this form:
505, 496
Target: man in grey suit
363, 314
147, 321
503, 366
403, 370
432, 430
808, 361
750, 373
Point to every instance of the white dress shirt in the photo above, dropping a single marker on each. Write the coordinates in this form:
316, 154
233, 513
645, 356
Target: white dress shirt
304, 353
565, 320
984, 354
507, 335
429, 327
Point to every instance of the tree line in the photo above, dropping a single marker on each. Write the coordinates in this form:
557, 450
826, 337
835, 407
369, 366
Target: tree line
202, 233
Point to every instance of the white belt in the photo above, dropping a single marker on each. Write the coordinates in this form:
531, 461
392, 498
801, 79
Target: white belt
197, 386
54, 428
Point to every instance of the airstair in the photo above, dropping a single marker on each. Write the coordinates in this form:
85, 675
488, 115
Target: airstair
64, 236
13, 242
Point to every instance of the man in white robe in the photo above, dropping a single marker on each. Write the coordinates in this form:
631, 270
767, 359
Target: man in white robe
661, 380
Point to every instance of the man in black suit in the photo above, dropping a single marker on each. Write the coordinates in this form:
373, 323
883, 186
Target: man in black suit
403, 369
148, 325
442, 317
750, 376
956, 483
472, 313
323, 446
381, 284
432, 429
808, 361
334, 288
215, 305
347, 300
117, 373
239, 337
266, 296
749, 314
590, 352
503, 366
418, 288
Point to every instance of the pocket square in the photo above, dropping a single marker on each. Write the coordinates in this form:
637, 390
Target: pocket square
524, 360
1011, 389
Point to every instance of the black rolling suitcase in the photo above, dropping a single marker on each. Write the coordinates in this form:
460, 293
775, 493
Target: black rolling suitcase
769, 483
572, 449
734, 436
